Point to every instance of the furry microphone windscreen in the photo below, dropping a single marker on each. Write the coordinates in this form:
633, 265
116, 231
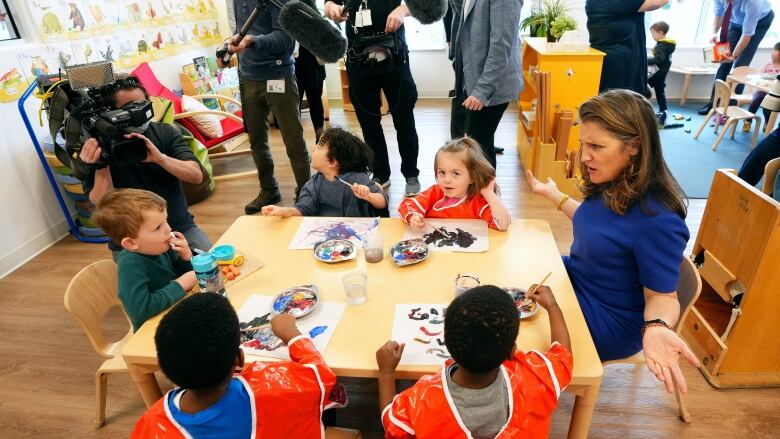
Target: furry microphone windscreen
427, 11
312, 31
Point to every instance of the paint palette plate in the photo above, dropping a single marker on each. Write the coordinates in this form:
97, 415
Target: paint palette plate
409, 252
335, 250
297, 301
526, 307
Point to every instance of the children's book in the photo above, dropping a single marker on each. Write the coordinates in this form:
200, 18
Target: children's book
201, 67
189, 69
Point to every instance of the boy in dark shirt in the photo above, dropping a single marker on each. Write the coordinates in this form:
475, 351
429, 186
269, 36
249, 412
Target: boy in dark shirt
662, 60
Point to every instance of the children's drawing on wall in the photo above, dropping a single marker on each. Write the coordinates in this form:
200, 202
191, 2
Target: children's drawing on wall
255, 323
75, 17
13, 81
421, 328
453, 235
314, 230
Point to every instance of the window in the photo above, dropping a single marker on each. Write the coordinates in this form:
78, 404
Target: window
690, 22
8, 29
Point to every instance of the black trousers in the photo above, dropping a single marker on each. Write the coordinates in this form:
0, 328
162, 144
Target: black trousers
753, 168
401, 93
658, 82
479, 125
310, 75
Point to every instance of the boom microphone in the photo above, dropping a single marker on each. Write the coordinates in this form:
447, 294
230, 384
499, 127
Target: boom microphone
312, 31
427, 11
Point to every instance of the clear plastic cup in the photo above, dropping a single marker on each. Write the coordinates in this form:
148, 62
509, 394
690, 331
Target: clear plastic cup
355, 287
464, 282
375, 248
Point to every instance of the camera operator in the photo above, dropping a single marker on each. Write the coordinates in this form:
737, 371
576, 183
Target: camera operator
378, 60
168, 161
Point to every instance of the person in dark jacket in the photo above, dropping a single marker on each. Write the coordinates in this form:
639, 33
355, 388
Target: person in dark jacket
662, 60
310, 75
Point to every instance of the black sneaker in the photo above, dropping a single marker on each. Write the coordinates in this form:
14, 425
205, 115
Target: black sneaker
498, 150
263, 199
705, 109
661, 117
384, 183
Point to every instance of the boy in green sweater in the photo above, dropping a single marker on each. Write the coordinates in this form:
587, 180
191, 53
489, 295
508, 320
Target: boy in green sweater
154, 266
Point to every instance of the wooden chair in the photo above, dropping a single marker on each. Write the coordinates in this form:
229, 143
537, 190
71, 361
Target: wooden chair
770, 174
688, 289
732, 113
746, 96
232, 124
90, 294
342, 433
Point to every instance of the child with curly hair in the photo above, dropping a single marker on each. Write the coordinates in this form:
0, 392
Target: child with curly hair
341, 187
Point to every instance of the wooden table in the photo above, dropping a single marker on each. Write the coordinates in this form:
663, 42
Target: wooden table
519, 257
689, 72
758, 82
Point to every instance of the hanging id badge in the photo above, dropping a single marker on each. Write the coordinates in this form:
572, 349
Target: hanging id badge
363, 17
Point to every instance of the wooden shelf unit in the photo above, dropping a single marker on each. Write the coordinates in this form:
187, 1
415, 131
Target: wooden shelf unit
575, 78
739, 238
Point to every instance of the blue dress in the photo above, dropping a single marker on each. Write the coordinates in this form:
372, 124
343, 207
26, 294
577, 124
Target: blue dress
612, 258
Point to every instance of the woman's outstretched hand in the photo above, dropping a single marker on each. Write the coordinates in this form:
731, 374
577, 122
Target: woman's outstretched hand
662, 348
548, 190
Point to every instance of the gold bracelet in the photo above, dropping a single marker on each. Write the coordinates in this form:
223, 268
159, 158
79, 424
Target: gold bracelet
564, 198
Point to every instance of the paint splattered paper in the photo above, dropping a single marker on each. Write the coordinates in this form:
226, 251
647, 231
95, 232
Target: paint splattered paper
314, 230
458, 235
421, 327
257, 338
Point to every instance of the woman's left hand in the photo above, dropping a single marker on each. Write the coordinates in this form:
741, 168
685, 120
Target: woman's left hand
662, 348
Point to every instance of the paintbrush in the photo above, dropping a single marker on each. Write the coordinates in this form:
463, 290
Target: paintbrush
440, 230
347, 183
533, 290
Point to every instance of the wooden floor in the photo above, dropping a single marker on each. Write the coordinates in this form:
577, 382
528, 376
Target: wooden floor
47, 364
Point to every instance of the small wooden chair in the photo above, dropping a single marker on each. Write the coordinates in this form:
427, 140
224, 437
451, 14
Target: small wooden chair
342, 433
746, 96
770, 174
688, 289
732, 113
88, 297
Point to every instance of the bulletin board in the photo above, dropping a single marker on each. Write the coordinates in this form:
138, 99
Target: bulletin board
125, 33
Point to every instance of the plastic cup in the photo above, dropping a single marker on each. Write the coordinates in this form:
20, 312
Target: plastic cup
375, 248
464, 282
355, 287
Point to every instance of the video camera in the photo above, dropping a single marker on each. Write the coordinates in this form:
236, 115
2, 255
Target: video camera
80, 109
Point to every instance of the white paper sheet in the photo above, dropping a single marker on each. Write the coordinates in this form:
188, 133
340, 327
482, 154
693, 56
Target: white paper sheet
327, 315
465, 235
423, 332
314, 230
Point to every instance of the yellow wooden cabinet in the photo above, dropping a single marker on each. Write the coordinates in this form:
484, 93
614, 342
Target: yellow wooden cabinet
573, 78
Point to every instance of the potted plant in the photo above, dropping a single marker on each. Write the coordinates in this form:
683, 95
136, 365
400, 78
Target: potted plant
540, 22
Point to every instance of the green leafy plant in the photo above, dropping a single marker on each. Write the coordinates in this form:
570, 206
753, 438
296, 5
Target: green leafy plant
539, 23
561, 25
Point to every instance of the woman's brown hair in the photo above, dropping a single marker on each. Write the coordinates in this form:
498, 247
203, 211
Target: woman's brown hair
480, 169
630, 118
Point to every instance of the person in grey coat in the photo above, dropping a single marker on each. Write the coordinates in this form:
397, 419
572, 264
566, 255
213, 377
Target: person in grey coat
486, 59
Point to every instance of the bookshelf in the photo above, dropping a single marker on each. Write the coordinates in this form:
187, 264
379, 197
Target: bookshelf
573, 78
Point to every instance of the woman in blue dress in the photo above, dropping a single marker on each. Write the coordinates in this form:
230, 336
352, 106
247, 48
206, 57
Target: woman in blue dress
629, 234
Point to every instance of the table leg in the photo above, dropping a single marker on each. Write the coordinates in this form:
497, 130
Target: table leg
583, 411
148, 387
770, 124
686, 83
